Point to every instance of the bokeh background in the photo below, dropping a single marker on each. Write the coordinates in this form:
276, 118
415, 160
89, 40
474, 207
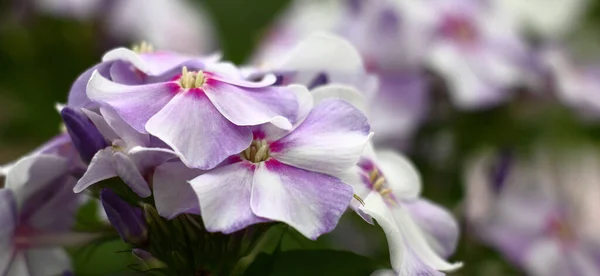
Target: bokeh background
46, 44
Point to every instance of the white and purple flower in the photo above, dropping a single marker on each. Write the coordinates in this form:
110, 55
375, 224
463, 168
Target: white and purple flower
288, 177
543, 218
203, 114
420, 234
37, 210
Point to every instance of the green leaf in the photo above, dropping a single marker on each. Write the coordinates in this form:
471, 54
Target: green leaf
311, 262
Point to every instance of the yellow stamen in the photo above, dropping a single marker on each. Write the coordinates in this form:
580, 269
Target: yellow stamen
373, 175
191, 79
143, 48
360, 200
257, 152
379, 183
385, 192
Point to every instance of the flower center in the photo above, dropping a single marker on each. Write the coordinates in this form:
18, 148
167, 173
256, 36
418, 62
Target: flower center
143, 48
561, 229
191, 79
378, 184
460, 29
257, 152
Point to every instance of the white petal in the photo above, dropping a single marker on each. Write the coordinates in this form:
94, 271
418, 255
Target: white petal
224, 194
400, 174
415, 239
18, 266
340, 91
378, 209
48, 261
323, 51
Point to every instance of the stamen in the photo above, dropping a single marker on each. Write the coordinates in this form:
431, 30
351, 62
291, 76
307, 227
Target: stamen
385, 192
191, 79
379, 183
373, 175
360, 200
143, 48
257, 152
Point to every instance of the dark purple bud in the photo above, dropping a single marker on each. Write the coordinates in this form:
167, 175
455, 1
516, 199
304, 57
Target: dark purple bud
84, 134
320, 79
501, 169
128, 220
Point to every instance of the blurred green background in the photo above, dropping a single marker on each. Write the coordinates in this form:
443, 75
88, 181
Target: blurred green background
41, 55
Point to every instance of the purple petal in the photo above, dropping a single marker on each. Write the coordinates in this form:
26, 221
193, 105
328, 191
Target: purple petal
109, 163
192, 126
224, 195
77, 95
147, 159
123, 130
9, 221
100, 168
437, 223
130, 174
173, 195
253, 106
330, 140
34, 173
309, 201
136, 104
53, 209
153, 64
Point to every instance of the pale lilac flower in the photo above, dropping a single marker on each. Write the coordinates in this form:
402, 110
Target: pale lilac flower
544, 218
480, 56
575, 84
546, 18
129, 154
191, 33
37, 211
420, 234
203, 114
141, 65
288, 177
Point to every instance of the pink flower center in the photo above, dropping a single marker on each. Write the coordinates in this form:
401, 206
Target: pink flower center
460, 29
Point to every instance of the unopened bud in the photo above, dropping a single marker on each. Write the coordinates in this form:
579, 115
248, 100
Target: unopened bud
126, 219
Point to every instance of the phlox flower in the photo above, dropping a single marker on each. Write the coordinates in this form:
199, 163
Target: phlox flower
192, 32
420, 233
203, 113
128, 154
543, 218
37, 210
387, 188
288, 176
480, 56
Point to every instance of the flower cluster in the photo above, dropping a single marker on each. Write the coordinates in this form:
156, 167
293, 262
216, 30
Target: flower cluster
217, 152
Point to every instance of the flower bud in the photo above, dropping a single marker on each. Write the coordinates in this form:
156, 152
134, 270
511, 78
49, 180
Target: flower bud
127, 220
84, 134
146, 260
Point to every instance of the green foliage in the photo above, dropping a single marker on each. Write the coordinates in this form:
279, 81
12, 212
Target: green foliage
311, 262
